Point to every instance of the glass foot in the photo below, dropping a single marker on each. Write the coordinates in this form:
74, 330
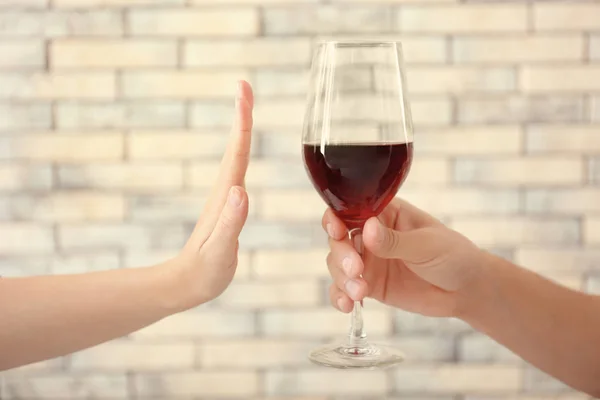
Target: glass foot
370, 356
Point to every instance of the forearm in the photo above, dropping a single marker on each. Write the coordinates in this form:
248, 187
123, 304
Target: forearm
552, 327
46, 317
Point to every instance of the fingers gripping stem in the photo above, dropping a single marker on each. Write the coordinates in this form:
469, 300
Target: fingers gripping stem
358, 337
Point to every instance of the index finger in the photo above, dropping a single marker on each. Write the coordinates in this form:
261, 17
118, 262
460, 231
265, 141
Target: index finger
237, 154
335, 227
233, 165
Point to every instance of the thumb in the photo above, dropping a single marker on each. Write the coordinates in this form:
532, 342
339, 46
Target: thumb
224, 238
416, 246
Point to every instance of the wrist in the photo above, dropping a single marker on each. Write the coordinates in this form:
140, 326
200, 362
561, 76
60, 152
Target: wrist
185, 289
478, 297
168, 284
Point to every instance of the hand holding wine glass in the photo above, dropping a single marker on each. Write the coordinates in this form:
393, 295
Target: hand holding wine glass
411, 261
357, 147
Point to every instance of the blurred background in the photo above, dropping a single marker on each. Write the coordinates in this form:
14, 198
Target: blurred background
113, 118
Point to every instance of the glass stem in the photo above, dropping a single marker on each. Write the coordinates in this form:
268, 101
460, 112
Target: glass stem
358, 337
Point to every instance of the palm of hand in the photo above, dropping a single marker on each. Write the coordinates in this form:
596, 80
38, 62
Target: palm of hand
207, 263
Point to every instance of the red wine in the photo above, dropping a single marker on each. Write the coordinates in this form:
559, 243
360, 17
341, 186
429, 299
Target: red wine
358, 180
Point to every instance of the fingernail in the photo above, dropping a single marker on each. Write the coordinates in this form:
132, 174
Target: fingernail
340, 303
235, 197
240, 90
347, 266
330, 231
352, 288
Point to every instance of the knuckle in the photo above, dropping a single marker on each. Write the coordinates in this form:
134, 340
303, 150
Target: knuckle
329, 259
325, 221
389, 242
329, 215
332, 291
227, 221
333, 295
394, 240
331, 242
242, 153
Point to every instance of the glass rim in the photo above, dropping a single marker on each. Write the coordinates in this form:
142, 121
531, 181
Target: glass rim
359, 42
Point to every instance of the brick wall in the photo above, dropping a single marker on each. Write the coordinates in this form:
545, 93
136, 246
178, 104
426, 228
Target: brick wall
113, 116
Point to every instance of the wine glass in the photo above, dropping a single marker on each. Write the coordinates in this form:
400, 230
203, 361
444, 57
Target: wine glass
357, 150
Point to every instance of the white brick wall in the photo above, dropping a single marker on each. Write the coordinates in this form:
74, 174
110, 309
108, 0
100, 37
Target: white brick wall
449, 378
326, 382
198, 384
113, 53
127, 355
27, 53
113, 118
